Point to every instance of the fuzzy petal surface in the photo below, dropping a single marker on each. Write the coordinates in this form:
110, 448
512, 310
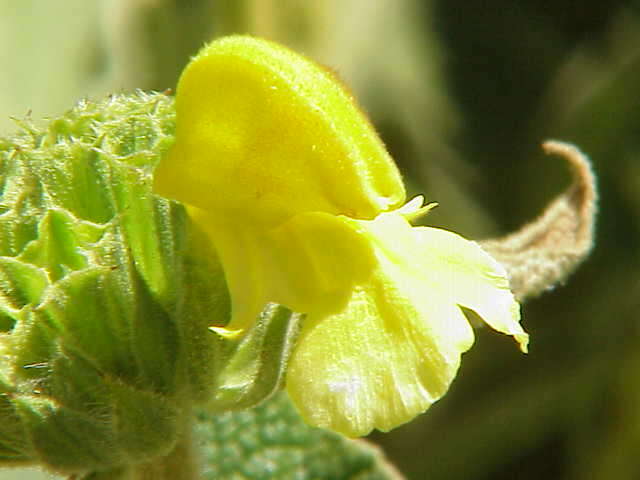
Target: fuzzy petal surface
264, 133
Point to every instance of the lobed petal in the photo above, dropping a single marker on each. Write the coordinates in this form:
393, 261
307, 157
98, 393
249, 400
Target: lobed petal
472, 278
395, 347
377, 364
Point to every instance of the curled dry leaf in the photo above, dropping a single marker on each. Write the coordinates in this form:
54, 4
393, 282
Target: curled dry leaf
544, 252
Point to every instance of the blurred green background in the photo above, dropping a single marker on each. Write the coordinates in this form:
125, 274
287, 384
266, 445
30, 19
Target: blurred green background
463, 93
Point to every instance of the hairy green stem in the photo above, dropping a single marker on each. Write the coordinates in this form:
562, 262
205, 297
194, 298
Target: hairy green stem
179, 464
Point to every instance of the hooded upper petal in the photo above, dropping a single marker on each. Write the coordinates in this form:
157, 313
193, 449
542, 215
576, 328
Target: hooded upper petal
263, 133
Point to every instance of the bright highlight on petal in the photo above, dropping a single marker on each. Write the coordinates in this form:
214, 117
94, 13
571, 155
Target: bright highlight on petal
305, 208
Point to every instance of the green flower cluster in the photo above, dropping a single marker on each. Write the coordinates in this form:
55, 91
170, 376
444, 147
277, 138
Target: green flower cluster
104, 313
92, 363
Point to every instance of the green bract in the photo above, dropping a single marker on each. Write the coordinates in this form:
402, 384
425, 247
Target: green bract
104, 313
93, 366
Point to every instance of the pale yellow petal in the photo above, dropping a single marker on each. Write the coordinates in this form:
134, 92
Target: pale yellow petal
395, 347
389, 354
377, 364
456, 268
473, 279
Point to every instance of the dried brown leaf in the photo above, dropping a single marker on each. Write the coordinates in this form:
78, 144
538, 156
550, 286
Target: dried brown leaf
544, 252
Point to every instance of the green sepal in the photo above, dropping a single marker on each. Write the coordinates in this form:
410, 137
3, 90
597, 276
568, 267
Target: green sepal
64, 439
63, 244
72, 441
21, 284
15, 447
256, 365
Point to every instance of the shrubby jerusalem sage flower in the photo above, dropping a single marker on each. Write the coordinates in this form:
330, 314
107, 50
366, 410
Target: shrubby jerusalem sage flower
305, 208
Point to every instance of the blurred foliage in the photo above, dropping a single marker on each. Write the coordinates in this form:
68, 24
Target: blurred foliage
463, 93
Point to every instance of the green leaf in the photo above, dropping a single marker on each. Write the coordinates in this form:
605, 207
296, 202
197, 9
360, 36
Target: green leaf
271, 441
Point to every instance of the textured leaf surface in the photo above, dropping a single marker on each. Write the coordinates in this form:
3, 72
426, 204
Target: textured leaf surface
271, 441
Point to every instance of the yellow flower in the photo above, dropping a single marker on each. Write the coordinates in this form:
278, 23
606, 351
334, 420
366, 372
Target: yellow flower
305, 208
